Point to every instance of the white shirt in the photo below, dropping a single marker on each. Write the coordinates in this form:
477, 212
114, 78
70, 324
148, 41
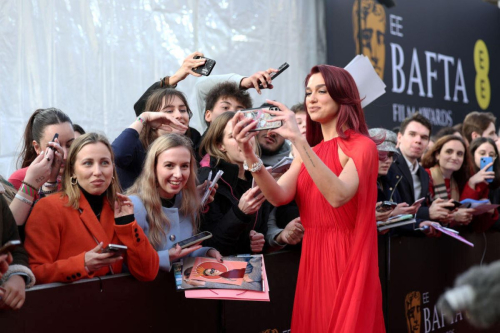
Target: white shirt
417, 186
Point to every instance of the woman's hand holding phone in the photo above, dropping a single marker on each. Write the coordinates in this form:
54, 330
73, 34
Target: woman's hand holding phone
95, 260
482, 176
177, 252
39, 170
56, 160
289, 129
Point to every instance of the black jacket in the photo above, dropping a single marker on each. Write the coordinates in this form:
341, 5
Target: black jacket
229, 226
400, 171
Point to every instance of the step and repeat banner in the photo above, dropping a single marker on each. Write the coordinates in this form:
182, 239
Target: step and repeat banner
437, 57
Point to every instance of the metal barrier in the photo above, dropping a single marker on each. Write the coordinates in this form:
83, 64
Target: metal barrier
420, 267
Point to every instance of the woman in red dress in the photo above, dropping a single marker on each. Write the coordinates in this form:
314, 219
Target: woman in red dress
334, 184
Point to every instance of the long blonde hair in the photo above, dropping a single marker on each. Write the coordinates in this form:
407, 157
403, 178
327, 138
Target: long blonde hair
72, 191
146, 188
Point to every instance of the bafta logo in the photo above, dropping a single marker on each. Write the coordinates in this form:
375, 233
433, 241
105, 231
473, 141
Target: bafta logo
413, 311
370, 28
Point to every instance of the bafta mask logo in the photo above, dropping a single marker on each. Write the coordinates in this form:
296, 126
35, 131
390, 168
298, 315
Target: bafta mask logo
369, 29
413, 311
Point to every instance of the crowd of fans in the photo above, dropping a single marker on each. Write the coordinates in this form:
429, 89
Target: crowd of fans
66, 204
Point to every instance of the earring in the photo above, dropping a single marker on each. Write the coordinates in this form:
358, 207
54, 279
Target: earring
112, 179
74, 181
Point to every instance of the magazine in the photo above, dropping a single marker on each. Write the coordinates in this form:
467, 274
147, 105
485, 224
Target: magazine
251, 279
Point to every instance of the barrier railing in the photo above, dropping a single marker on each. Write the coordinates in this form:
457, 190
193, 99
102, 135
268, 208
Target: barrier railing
422, 267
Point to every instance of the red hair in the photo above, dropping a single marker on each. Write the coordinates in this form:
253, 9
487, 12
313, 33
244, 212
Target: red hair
343, 90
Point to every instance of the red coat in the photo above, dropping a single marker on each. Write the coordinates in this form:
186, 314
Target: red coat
57, 237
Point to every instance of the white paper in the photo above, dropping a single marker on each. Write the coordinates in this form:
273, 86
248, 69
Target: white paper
369, 84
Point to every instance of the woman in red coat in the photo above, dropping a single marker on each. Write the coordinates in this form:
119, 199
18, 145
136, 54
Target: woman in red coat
66, 232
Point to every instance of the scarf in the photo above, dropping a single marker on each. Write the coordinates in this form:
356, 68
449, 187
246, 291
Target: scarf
439, 185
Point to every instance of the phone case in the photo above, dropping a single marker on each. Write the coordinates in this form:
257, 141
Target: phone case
262, 118
485, 161
205, 69
275, 74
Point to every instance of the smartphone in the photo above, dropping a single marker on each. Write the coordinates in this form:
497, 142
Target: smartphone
117, 250
262, 118
275, 74
386, 206
195, 239
54, 140
206, 69
484, 162
456, 204
418, 201
9, 246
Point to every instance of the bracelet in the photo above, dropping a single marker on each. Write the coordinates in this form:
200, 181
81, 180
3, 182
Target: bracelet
49, 192
23, 199
27, 190
140, 119
50, 184
28, 184
254, 167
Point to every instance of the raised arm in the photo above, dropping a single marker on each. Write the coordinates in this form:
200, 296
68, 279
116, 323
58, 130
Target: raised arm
336, 189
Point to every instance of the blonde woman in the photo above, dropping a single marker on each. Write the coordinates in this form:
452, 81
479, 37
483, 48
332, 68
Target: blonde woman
67, 231
166, 200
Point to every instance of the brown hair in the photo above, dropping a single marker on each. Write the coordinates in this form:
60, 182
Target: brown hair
462, 175
153, 104
476, 122
34, 130
73, 192
419, 119
224, 90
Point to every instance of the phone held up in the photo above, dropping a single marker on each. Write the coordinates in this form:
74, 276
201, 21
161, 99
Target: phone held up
484, 162
276, 74
262, 118
206, 69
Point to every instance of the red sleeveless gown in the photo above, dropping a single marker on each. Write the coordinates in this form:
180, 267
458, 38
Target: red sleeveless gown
338, 288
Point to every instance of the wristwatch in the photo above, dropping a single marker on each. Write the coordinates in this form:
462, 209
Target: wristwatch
254, 167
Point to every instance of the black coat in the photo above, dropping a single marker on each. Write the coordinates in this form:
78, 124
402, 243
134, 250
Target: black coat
8, 231
229, 226
400, 171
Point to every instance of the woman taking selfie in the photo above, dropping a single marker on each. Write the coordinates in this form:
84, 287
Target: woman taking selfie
487, 182
166, 202
66, 231
237, 218
448, 165
333, 185
46, 128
